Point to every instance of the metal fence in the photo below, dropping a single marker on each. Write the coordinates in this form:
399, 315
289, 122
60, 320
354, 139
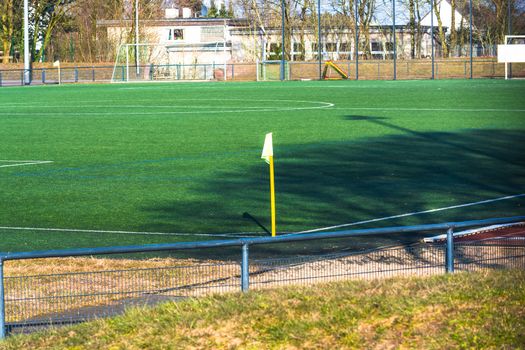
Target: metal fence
62, 288
366, 70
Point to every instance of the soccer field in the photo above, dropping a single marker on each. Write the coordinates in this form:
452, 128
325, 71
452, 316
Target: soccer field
158, 160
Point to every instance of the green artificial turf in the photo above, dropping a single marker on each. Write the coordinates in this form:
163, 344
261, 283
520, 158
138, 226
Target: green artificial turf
185, 157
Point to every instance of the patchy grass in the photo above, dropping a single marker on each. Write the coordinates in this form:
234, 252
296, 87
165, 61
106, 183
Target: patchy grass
474, 310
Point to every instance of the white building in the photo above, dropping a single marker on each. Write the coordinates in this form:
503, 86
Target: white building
445, 13
216, 40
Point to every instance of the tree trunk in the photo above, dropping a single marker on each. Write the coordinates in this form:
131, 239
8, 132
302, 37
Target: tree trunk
419, 37
412, 26
366, 12
442, 37
7, 28
453, 34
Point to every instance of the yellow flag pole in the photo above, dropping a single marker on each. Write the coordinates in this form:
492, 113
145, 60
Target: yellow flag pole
272, 196
267, 155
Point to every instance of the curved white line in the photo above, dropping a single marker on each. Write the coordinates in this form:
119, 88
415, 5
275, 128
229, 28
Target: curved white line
211, 110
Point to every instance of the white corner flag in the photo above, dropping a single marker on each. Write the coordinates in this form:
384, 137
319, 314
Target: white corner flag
267, 148
267, 155
57, 65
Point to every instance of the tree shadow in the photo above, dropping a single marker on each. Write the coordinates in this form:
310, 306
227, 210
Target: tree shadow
342, 182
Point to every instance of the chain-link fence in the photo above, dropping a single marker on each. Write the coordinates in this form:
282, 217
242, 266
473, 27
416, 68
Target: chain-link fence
304, 39
58, 288
362, 39
368, 70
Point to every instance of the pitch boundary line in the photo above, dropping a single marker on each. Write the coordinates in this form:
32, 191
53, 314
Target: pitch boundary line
412, 214
23, 162
409, 109
48, 229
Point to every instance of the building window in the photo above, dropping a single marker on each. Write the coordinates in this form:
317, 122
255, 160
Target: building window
298, 52
298, 47
331, 47
275, 52
178, 34
376, 46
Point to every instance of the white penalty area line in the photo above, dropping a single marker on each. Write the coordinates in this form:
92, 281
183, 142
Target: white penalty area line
45, 229
23, 162
412, 213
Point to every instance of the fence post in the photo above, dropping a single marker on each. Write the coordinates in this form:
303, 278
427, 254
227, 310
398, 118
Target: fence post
43, 76
245, 269
0, 79
76, 74
93, 73
2, 301
450, 251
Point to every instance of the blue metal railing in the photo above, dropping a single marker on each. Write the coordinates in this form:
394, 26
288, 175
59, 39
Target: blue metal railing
245, 244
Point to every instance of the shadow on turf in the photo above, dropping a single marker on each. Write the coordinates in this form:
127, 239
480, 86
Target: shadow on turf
329, 184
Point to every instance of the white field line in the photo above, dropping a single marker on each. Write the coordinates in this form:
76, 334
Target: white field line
46, 229
217, 109
413, 213
176, 103
212, 109
284, 109
409, 109
23, 162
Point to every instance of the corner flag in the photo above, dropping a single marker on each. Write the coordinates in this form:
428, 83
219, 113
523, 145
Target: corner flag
267, 148
267, 155
57, 64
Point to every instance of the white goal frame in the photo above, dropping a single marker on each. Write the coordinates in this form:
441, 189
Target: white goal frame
178, 61
262, 69
511, 53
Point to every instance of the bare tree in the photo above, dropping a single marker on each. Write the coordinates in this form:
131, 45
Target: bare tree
414, 24
45, 16
441, 31
7, 29
345, 18
453, 33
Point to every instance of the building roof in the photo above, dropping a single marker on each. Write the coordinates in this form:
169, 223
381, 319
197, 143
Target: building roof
166, 22
445, 10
